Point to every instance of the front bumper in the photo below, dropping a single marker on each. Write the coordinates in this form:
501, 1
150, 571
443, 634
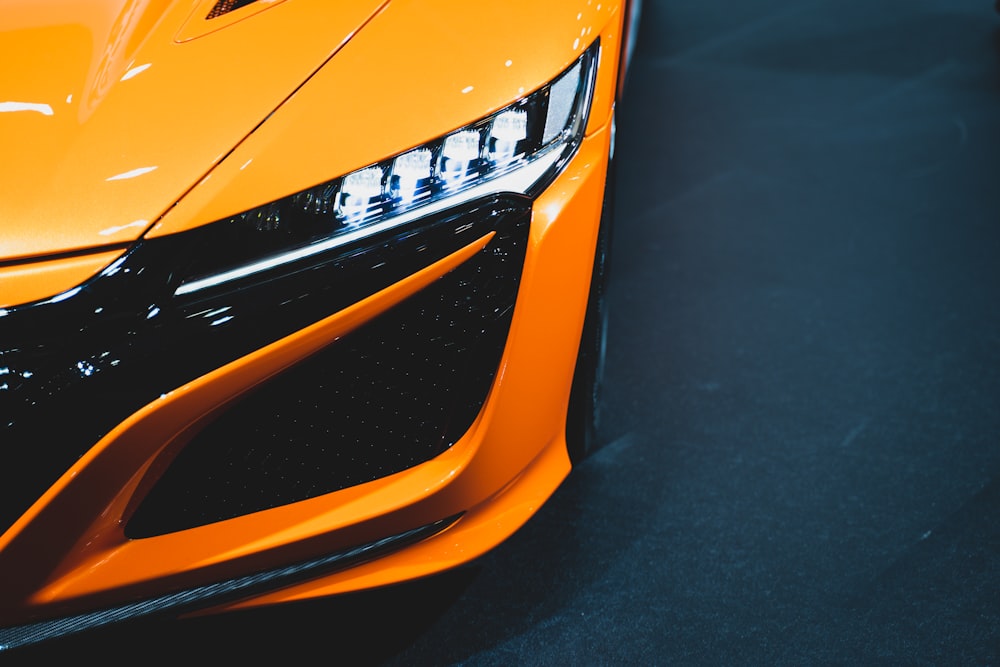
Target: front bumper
80, 548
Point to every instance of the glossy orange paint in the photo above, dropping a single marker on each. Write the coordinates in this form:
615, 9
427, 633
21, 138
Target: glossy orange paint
324, 117
32, 281
370, 102
107, 120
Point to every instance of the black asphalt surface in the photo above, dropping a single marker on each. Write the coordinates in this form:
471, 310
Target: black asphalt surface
802, 408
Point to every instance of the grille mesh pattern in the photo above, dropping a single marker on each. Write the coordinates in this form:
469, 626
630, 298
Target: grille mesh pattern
226, 6
392, 394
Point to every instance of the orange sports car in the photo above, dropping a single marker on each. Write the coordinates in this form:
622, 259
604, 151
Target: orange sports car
296, 297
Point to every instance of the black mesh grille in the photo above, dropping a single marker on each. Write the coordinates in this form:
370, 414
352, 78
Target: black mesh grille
394, 393
226, 6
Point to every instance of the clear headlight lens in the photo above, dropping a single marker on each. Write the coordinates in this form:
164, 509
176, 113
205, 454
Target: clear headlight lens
516, 149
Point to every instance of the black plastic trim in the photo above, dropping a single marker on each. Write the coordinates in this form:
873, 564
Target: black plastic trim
216, 593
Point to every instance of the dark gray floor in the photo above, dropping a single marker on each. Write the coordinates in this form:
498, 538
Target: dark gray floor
803, 392
804, 377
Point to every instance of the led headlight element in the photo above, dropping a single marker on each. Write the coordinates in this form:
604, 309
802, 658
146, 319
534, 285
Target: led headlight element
411, 177
360, 196
517, 149
509, 129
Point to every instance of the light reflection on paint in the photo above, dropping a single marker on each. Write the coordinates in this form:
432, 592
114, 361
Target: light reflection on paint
114, 268
210, 313
132, 173
135, 71
69, 294
10, 107
114, 230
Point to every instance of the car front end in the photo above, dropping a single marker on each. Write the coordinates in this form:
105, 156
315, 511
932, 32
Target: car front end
292, 296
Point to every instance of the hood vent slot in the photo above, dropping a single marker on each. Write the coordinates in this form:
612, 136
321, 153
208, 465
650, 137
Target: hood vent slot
225, 6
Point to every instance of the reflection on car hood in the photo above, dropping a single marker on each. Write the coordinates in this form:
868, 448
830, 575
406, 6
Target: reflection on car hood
110, 111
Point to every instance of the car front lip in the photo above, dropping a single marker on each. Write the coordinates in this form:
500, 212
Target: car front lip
217, 592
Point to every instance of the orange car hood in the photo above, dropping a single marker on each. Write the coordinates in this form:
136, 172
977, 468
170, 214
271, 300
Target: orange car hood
94, 95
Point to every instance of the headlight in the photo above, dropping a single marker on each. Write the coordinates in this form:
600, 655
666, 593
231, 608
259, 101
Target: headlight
517, 149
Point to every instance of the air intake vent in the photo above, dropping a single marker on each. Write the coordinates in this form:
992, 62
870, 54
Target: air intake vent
226, 6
